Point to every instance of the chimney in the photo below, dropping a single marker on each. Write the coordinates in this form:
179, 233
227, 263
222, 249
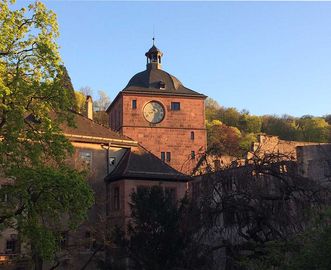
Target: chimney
89, 107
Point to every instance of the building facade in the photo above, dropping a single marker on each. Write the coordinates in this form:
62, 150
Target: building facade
161, 114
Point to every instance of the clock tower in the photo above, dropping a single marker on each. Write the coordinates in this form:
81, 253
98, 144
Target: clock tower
163, 115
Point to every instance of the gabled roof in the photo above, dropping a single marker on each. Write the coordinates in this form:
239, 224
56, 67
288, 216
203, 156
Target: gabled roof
88, 130
138, 163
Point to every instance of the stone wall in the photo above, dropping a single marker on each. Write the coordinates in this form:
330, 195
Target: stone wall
172, 134
268, 144
314, 161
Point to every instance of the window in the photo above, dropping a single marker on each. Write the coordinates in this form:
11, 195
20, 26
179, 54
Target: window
192, 155
86, 158
161, 85
3, 193
175, 106
163, 156
11, 244
192, 135
116, 198
168, 157
134, 104
112, 161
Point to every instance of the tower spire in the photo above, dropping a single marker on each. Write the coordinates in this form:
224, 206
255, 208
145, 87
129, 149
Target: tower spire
154, 56
153, 34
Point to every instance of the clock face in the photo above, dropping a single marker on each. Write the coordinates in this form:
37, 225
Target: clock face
153, 112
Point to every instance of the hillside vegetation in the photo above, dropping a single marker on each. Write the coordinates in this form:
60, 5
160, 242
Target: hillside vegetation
231, 132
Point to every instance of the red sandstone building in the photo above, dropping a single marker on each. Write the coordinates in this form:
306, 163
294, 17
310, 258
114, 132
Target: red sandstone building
159, 112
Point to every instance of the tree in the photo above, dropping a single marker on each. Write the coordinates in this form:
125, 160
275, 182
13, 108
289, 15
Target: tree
253, 210
36, 96
250, 123
311, 249
80, 101
86, 91
160, 234
246, 141
230, 117
327, 118
103, 102
314, 129
285, 127
222, 140
211, 109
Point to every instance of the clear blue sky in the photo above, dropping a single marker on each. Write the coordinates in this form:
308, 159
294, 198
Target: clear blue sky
266, 57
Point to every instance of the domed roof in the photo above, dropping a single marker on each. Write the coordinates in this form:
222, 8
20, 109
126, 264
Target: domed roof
158, 81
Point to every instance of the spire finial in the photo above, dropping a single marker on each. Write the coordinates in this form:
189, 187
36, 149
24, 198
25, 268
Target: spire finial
153, 35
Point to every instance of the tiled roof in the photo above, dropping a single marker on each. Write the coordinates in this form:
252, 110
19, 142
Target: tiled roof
87, 130
138, 163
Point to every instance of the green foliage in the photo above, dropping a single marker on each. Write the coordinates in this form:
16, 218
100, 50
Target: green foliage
246, 141
222, 140
314, 129
45, 197
285, 127
230, 117
36, 96
309, 250
33, 82
250, 123
160, 233
306, 128
80, 101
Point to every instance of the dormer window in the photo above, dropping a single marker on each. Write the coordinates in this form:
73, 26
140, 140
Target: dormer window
161, 85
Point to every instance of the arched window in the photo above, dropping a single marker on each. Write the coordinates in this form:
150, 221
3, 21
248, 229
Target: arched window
192, 135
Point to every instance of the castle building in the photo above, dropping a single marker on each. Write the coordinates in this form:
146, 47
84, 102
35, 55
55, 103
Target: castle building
160, 133
160, 113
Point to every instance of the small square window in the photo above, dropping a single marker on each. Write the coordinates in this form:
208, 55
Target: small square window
86, 158
168, 157
163, 156
134, 104
175, 106
112, 161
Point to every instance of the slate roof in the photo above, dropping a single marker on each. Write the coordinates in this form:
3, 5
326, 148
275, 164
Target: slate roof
138, 163
153, 49
148, 81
